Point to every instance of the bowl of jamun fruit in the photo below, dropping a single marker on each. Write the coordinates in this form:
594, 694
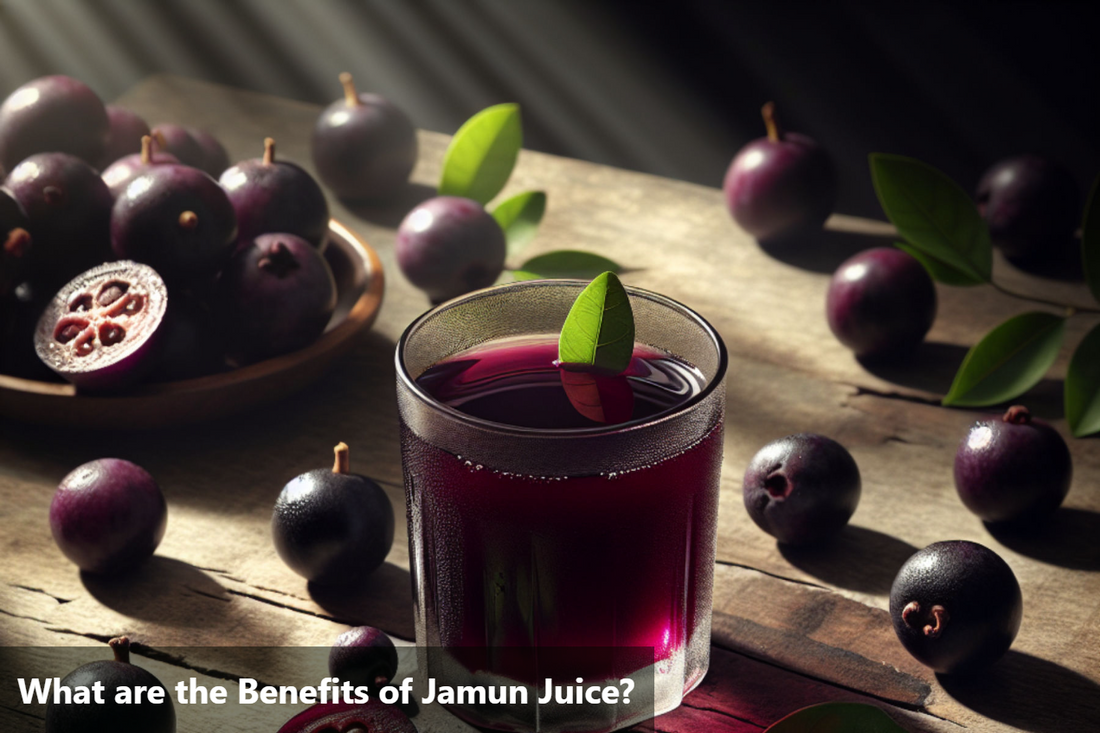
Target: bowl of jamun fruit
144, 277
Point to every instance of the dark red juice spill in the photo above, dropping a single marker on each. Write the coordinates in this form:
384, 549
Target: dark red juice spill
509, 561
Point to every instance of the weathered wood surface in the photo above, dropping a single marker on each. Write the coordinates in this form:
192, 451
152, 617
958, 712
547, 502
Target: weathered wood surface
792, 628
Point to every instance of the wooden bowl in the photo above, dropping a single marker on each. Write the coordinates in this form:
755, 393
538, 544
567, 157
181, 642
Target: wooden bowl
360, 284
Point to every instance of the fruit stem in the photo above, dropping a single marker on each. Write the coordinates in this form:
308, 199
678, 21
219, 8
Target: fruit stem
17, 243
913, 618
269, 150
1070, 309
188, 220
341, 465
146, 149
1017, 415
351, 97
120, 645
768, 113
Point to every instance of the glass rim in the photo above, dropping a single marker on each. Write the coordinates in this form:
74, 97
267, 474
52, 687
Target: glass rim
413, 388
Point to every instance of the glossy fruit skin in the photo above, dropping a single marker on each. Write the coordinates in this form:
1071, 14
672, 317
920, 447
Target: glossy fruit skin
802, 488
125, 130
450, 245
99, 344
111, 717
179, 141
333, 528
146, 223
980, 601
371, 717
1032, 206
276, 197
16, 244
1013, 469
108, 515
52, 114
68, 211
275, 296
214, 158
776, 188
365, 151
364, 656
118, 174
881, 302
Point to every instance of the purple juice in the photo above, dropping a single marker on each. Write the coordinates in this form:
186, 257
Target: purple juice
505, 561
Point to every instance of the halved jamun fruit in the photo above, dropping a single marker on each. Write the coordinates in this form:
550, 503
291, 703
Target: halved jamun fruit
101, 331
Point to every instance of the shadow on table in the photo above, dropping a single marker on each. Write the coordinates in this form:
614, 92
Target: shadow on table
389, 212
147, 591
820, 251
858, 559
930, 367
384, 601
1029, 693
1067, 539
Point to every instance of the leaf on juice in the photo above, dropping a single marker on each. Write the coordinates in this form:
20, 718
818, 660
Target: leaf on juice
1082, 390
482, 154
598, 333
1090, 240
519, 217
569, 264
1009, 361
837, 717
939, 270
933, 213
600, 398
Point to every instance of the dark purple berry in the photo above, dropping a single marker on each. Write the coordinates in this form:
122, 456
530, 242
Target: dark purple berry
52, 114
18, 323
15, 245
1013, 469
118, 174
214, 158
956, 606
364, 147
275, 196
333, 527
68, 211
108, 515
145, 716
450, 245
371, 717
1032, 206
178, 140
802, 488
780, 184
881, 302
191, 345
102, 330
276, 295
124, 136
364, 656
176, 219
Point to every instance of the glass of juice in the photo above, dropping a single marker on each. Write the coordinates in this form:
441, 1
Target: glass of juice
545, 545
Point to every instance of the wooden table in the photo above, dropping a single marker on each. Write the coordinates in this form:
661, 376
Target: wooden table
791, 627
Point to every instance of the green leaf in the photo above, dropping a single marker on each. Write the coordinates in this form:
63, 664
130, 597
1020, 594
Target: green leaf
599, 330
933, 213
568, 264
1083, 386
1009, 361
482, 154
519, 217
837, 717
1090, 240
938, 269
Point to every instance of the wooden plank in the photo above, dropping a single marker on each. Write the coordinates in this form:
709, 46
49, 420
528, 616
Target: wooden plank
792, 626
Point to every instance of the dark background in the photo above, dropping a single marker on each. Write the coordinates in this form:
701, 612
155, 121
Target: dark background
670, 88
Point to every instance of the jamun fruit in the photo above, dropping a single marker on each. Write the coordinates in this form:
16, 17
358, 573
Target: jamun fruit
363, 145
272, 195
276, 295
450, 245
1032, 206
956, 606
176, 219
52, 114
802, 488
118, 174
331, 526
370, 717
780, 184
126, 128
191, 347
154, 713
178, 140
881, 303
68, 210
15, 244
364, 656
214, 159
1013, 469
108, 515
102, 330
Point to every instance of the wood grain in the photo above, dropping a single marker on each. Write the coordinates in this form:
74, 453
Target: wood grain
792, 627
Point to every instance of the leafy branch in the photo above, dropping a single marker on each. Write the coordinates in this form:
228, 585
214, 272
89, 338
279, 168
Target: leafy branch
943, 229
